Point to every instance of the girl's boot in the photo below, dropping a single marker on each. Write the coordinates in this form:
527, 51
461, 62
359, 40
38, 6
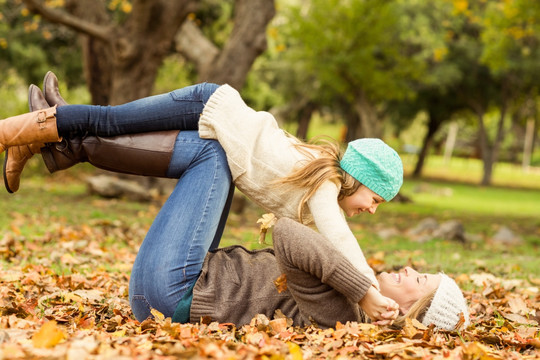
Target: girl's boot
146, 154
23, 136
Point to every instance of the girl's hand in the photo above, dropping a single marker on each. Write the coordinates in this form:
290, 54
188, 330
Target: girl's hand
380, 309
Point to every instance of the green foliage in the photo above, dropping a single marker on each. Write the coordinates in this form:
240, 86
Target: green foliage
14, 94
511, 36
215, 18
174, 73
32, 46
355, 49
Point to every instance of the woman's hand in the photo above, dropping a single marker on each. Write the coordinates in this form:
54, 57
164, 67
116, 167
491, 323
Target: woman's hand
380, 309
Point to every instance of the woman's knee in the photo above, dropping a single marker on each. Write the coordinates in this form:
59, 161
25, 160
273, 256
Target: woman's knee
217, 153
207, 89
140, 307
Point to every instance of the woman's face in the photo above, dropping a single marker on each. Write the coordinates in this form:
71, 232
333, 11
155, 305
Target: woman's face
361, 200
407, 286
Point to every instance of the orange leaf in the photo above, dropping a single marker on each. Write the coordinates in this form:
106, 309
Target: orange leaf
281, 283
48, 336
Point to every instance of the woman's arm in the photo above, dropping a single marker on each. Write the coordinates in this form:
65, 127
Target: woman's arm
325, 285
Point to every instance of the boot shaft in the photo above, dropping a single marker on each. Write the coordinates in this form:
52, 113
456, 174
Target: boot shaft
147, 154
30, 128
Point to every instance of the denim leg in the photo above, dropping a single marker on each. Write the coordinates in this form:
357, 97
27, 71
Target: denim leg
178, 110
187, 226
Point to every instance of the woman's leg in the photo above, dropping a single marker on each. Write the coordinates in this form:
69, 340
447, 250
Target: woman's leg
177, 110
188, 225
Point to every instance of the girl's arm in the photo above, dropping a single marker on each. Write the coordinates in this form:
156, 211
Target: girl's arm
331, 223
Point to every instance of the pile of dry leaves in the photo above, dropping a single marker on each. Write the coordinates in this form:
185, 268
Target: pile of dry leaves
85, 314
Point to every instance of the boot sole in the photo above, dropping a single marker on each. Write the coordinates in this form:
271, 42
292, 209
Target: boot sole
5, 175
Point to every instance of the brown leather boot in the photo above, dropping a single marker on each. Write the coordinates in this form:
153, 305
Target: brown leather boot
17, 156
51, 91
146, 154
34, 128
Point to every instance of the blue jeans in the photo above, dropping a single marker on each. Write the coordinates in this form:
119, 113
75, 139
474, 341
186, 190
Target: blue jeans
178, 110
189, 224
191, 221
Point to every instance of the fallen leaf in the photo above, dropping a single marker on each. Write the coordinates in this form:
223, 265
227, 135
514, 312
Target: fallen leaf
281, 283
295, 351
266, 221
48, 336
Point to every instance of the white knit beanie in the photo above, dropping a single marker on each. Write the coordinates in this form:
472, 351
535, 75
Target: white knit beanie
446, 306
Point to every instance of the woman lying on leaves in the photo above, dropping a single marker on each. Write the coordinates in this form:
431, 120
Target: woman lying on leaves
179, 269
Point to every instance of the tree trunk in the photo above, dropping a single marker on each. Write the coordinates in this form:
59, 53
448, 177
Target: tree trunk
352, 119
369, 126
490, 152
450, 142
97, 54
304, 118
433, 126
246, 43
122, 60
140, 46
528, 145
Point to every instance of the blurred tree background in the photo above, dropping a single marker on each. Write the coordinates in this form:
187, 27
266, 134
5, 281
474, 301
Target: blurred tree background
446, 77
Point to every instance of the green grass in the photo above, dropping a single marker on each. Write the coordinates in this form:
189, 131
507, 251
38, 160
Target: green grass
471, 171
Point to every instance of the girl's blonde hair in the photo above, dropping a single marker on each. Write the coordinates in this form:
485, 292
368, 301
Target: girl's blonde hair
323, 155
417, 311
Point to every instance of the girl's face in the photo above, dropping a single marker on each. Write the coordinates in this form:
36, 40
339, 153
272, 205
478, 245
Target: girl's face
407, 286
363, 200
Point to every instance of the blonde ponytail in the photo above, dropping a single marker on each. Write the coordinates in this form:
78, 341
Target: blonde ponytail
322, 164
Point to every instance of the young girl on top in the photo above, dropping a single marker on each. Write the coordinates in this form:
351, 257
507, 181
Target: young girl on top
277, 171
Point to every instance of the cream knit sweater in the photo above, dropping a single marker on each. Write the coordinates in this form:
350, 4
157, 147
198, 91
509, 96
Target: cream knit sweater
258, 153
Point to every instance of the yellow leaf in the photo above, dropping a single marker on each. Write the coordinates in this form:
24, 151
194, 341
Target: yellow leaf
119, 333
159, 317
461, 6
266, 221
48, 336
475, 350
295, 351
72, 297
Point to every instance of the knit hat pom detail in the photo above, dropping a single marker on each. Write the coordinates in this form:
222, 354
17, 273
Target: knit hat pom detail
374, 164
447, 306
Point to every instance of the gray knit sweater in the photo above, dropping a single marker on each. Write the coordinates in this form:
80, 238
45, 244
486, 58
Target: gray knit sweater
323, 287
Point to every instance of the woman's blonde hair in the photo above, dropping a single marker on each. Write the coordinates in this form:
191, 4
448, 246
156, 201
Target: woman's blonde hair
323, 155
417, 311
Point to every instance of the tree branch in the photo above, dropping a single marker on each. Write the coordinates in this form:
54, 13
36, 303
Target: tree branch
195, 47
97, 31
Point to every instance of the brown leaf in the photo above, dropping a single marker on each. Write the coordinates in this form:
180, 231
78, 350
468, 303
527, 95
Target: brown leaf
518, 305
281, 283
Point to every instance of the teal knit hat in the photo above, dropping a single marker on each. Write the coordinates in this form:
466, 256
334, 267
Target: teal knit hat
376, 165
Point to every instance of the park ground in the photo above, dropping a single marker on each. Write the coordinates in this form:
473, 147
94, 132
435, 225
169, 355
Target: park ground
65, 258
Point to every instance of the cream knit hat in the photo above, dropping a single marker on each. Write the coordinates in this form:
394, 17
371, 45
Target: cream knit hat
446, 306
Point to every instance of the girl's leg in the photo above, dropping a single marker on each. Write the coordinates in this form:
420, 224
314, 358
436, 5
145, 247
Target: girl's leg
188, 225
177, 110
